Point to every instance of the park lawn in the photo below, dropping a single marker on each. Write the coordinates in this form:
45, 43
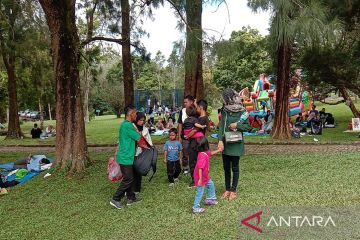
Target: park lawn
78, 208
104, 130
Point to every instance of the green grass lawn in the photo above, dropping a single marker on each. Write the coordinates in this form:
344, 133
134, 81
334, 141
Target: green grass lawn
104, 130
61, 208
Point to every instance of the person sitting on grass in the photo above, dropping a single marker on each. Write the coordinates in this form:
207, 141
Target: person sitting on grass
170, 123
201, 176
172, 156
159, 125
299, 122
50, 131
36, 132
256, 124
164, 122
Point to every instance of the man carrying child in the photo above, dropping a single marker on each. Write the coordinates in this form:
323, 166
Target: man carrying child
197, 130
188, 102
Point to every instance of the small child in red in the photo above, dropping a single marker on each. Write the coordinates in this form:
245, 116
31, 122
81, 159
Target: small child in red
202, 177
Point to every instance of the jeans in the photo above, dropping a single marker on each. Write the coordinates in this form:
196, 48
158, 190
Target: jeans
127, 184
173, 170
200, 192
231, 163
185, 158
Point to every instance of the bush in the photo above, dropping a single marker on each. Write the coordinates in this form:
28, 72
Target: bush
209, 110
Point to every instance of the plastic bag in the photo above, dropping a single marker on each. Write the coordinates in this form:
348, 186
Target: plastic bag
114, 171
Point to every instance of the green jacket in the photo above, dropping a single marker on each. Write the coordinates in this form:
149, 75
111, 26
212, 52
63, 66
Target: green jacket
127, 139
233, 149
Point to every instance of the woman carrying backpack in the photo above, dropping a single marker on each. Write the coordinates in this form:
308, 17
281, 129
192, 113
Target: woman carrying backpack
143, 143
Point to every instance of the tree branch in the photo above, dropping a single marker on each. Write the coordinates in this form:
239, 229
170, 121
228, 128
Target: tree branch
100, 38
179, 12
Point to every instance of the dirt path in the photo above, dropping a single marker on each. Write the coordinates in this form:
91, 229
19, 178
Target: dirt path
250, 148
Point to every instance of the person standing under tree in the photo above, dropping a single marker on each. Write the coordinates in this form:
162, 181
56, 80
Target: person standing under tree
144, 142
188, 102
234, 118
128, 135
172, 157
201, 109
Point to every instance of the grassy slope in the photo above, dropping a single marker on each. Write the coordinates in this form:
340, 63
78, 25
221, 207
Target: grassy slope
104, 130
55, 208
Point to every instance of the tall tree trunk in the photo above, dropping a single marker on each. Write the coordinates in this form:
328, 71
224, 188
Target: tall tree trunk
281, 128
126, 54
71, 148
86, 95
50, 117
8, 53
14, 130
41, 115
349, 101
193, 51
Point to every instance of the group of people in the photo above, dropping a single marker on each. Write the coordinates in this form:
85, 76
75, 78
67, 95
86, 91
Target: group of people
36, 132
187, 150
315, 120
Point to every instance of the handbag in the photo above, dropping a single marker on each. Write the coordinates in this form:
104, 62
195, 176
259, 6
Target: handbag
232, 136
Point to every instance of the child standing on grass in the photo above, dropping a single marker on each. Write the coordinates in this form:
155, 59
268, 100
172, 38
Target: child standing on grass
172, 156
201, 176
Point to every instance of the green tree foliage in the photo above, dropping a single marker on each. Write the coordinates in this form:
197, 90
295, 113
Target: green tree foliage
291, 22
336, 62
241, 59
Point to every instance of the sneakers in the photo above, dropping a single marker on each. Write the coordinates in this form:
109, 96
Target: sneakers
232, 195
135, 200
198, 210
225, 195
116, 204
3, 191
171, 184
186, 172
176, 179
211, 202
191, 185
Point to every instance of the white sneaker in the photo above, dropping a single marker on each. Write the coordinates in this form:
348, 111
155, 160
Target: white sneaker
171, 184
176, 179
186, 172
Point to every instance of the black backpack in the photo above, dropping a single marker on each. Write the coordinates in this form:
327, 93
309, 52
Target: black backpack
145, 161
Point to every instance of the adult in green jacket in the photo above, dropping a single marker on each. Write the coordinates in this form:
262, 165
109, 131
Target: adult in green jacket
233, 118
128, 135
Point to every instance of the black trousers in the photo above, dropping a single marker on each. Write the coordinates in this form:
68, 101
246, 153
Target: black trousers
185, 158
173, 170
137, 181
231, 164
127, 184
193, 153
